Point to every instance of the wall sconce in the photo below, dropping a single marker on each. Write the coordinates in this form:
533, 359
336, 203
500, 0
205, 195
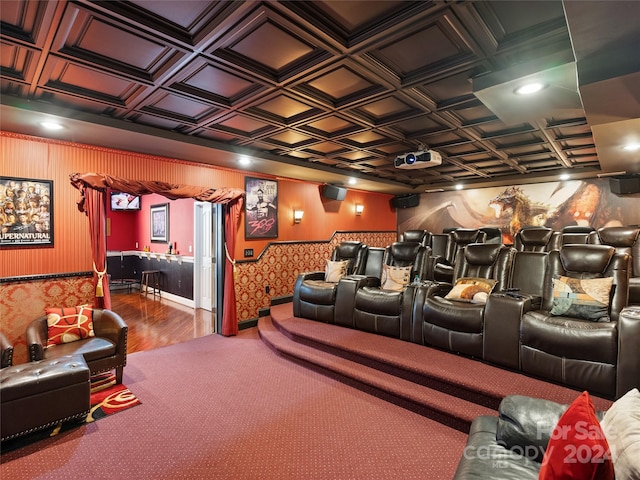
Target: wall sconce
359, 209
297, 216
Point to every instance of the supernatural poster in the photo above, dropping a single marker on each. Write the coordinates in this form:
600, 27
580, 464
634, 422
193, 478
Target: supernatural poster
261, 208
26, 212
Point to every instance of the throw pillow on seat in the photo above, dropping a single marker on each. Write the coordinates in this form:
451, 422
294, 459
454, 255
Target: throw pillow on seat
578, 447
621, 425
69, 324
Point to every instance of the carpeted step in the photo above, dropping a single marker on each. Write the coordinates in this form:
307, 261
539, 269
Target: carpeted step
447, 372
453, 411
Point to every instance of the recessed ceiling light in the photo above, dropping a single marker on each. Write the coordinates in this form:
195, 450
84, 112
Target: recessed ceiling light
352, 181
631, 147
564, 176
529, 88
459, 186
244, 161
51, 125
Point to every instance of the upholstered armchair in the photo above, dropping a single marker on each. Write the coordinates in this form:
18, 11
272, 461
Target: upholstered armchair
385, 307
314, 293
625, 240
452, 315
457, 239
533, 239
421, 236
579, 336
105, 351
6, 359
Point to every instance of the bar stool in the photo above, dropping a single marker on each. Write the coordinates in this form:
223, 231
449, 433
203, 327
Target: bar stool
150, 278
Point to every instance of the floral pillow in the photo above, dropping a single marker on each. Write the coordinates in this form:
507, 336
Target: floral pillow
395, 278
69, 324
334, 271
471, 289
582, 298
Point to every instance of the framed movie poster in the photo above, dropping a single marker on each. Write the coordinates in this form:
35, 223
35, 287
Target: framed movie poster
160, 223
261, 208
26, 212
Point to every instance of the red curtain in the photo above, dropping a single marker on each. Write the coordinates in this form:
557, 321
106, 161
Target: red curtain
93, 187
229, 314
95, 207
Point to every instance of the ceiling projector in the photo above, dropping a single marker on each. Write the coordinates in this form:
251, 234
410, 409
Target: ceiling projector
421, 159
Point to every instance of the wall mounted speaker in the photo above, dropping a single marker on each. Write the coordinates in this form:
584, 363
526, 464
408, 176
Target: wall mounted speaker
625, 185
406, 201
333, 192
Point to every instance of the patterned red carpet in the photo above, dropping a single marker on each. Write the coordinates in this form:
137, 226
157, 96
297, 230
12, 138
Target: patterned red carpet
230, 408
107, 398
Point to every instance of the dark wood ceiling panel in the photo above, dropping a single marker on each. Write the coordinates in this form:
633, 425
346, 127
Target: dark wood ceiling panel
346, 84
89, 38
178, 107
91, 84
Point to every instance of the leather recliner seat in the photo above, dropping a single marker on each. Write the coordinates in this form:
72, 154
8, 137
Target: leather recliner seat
599, 356
625, 240
533, 239
389, 312
313, 297
457, 240
458, 326
421, 236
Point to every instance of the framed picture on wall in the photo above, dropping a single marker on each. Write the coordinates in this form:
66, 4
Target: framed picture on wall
160, 223
261, 208
26, 212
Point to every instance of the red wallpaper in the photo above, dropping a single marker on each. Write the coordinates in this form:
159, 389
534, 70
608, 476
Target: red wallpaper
281, 263
20, 303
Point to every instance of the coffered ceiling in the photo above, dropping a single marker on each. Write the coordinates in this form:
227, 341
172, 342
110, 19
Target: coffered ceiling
330, 90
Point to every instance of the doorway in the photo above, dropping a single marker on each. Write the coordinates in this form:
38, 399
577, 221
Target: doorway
208, 259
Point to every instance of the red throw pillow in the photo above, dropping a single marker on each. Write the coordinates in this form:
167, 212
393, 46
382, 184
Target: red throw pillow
69, 324
578, 448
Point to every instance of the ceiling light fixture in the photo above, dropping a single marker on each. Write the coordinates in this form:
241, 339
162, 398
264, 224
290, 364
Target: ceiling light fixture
631, 147
244, 161
529, 88
51, 125
459, 186
564, 176
352, 181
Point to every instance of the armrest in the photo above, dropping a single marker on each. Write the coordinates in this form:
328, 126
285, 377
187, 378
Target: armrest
7, 351
628, 352
108, 324
527, 422
346, 296
443, 272
316, 275
37, 336
501, 337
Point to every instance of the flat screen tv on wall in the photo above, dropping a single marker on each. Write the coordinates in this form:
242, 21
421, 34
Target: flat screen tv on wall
124, 201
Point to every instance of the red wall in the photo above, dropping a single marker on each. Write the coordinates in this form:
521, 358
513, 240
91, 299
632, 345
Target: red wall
130, 230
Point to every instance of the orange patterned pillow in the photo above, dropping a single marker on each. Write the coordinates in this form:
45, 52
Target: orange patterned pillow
69, 324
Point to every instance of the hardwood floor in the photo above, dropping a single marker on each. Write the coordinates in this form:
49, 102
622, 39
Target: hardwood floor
155, 323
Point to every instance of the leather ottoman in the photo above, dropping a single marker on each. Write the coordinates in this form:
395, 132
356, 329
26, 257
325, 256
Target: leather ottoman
39, 394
